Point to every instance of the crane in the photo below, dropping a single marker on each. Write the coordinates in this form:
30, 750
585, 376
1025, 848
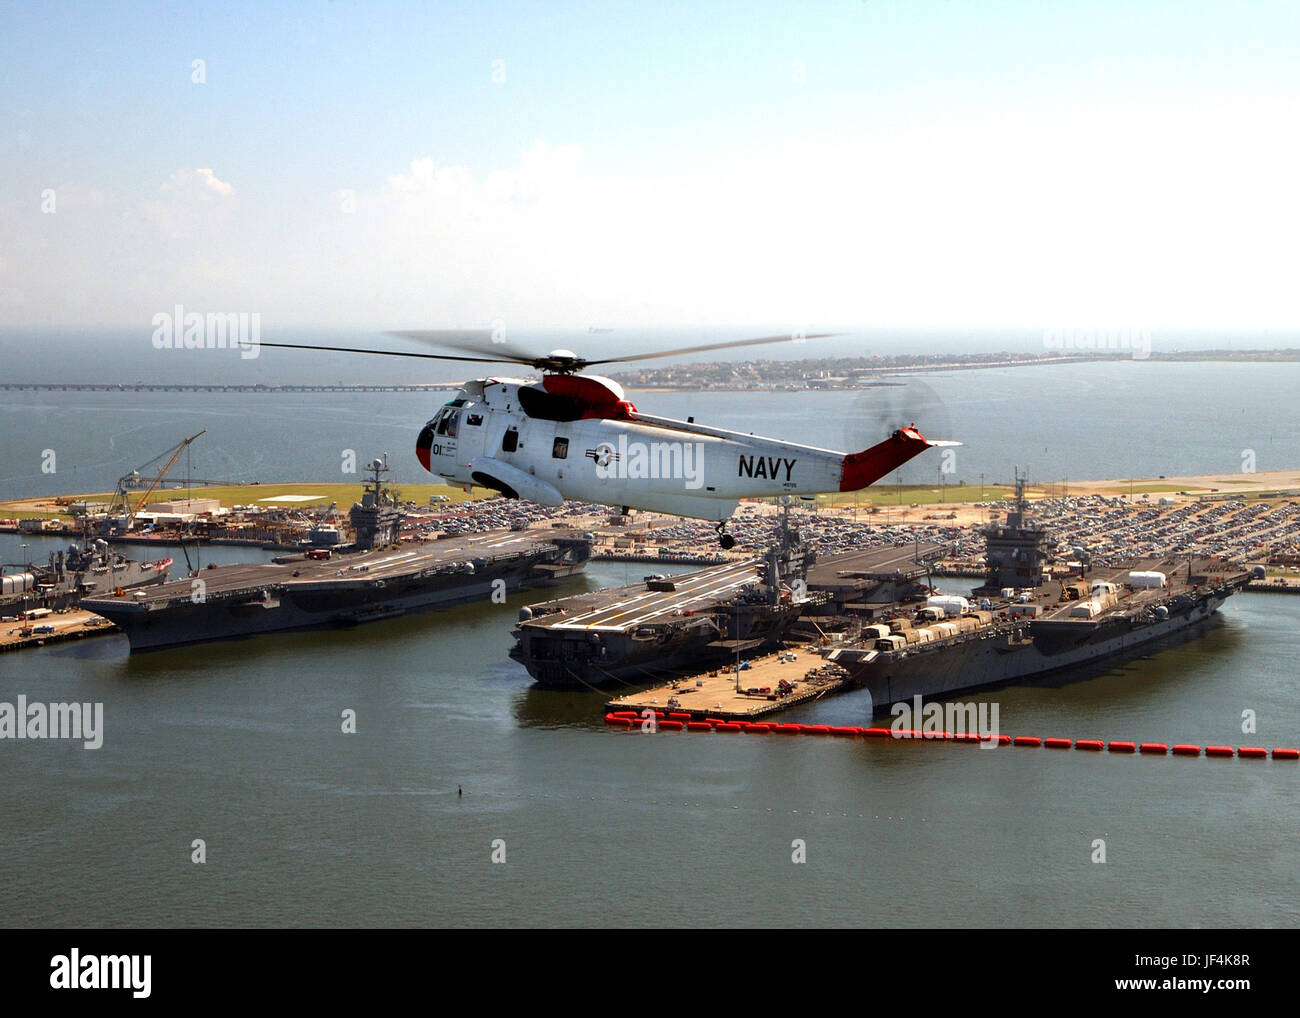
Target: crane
121, 497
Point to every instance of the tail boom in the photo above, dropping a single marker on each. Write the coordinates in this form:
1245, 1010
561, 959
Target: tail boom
865, 468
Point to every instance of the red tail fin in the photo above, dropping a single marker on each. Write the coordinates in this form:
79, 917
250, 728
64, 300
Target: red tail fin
870, 465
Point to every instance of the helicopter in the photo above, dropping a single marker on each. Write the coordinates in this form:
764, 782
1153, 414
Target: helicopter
571, 435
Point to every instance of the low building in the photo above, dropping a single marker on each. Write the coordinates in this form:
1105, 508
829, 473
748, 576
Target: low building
193, 506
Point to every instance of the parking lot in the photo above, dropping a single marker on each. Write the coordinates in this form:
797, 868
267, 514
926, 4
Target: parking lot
1099, 527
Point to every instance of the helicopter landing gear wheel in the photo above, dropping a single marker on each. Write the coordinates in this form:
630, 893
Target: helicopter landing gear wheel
726, 540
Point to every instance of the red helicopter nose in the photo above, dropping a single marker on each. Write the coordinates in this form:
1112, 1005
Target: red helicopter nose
422, 446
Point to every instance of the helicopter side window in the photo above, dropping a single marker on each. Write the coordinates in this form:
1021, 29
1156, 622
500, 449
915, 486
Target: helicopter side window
441, 427
474, 420
510, 441
453, 421
560, 450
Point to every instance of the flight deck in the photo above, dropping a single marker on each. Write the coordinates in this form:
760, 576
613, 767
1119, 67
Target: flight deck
240, 600
623, 608
712, 614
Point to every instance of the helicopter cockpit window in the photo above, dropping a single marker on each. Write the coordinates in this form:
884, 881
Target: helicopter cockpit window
448, 418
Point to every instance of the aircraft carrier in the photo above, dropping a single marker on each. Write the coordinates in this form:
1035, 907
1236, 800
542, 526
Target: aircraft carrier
383, 579
708, 617
1037, 619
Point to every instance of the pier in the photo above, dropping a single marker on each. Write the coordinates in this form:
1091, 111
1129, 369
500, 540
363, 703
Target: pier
73, 625
740, 695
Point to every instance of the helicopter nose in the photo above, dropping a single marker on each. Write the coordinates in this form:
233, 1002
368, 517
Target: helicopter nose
422, 446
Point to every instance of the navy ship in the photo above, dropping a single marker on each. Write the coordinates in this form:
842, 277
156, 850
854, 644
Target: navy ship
379, 578
85, 570
664, 624
1033, 620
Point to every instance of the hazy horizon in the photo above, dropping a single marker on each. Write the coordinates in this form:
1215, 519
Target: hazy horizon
62, 354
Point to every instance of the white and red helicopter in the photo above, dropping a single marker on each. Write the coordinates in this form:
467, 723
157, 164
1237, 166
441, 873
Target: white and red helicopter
575, 436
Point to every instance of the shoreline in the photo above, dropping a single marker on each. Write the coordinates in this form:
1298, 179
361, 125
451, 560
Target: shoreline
1225, 486
871, 377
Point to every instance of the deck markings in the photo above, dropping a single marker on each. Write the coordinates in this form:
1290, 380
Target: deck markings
651, 603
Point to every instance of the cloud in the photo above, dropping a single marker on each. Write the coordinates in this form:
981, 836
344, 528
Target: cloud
189, 204
444, 240
1014, 221
1137, 219
198, 185
544, 171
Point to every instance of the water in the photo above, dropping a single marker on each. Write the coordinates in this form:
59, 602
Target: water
62, 354
239, 744
1128, 419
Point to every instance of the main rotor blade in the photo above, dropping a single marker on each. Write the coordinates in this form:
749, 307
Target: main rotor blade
474, 341
397, 353
710, 346
480, 341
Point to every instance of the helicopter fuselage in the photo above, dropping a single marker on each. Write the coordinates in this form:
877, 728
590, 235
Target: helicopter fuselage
515, 436
572, 435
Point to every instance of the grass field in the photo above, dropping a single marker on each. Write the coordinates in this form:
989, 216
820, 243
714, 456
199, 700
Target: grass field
263, 494
893, 494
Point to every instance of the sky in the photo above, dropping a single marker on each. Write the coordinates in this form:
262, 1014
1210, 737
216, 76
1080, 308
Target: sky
887, 163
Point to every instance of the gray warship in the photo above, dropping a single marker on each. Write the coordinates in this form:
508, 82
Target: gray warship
664, 624
1033, 620
378, 577
85, 570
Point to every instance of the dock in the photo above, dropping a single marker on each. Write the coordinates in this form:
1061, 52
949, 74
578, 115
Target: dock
714, 694
74, 625
1276, 585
